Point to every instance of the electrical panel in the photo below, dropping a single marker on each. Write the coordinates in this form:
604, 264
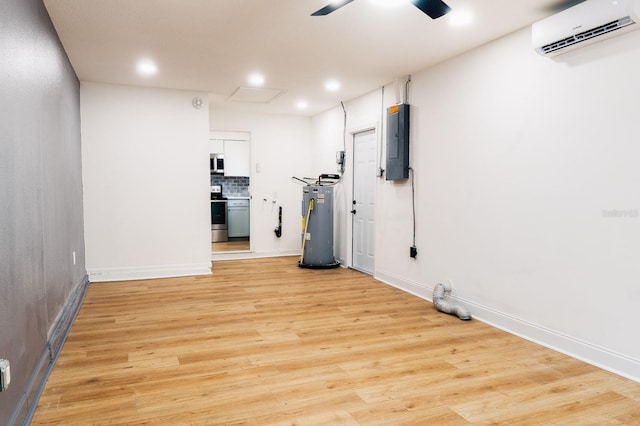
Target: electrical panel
397, 142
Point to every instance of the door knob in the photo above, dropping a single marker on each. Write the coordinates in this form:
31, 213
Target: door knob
353, 211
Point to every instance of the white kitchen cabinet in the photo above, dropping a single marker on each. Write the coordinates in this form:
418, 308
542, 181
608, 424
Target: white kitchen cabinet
216, 146
236, 158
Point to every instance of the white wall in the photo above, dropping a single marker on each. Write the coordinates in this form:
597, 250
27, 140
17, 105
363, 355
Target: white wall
527, 199
280, 145
146, 182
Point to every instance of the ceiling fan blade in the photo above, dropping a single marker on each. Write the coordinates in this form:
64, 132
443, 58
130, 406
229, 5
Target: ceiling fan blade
433, 8
561, 5
331, 8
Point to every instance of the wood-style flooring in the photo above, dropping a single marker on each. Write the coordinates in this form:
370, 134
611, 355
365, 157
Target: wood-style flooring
230, 246
263, 342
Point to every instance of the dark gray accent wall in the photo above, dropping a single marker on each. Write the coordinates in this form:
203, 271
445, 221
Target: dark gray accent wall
41, 221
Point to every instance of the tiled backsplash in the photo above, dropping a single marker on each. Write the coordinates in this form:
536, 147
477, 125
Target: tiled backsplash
232, 186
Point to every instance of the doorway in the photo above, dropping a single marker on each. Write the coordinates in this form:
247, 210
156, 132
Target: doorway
230, 191
363, 204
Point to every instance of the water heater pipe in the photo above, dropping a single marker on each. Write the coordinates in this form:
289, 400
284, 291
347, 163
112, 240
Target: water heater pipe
441, 293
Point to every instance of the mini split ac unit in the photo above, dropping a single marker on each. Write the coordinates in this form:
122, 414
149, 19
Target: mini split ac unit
587, 23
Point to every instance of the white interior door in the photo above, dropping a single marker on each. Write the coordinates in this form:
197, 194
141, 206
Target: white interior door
363, 206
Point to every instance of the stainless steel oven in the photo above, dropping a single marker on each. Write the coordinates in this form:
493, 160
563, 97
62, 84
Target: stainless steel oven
219, 222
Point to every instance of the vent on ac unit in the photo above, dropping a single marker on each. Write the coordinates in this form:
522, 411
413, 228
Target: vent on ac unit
587, 23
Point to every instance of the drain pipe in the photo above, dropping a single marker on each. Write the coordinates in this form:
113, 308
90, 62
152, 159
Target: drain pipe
441, 294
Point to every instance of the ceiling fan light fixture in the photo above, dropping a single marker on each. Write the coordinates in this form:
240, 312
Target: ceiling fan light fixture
433, 8
460, 18
388, 4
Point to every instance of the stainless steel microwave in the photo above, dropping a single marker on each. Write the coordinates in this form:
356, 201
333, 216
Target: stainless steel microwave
217, 164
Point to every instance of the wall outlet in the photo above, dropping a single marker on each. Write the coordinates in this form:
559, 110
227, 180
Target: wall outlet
5, 374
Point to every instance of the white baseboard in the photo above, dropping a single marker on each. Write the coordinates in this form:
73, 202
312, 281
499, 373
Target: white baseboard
417, 289
595, 355
148, 272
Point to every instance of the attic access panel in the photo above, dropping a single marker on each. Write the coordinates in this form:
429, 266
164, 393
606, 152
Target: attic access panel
256, 95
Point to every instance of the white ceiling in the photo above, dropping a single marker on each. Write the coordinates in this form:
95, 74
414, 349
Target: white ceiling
213, 45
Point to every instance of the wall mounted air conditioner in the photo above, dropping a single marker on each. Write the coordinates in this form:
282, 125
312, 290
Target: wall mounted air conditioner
586, 23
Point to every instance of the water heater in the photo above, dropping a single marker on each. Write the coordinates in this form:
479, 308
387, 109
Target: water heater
317, 227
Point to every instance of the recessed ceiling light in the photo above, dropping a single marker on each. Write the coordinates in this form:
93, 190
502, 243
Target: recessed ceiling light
460, 18
256, 79
302, 105
146, 67
332, 85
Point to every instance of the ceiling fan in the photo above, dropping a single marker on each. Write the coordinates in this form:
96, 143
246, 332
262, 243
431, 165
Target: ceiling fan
433, 8
561, 5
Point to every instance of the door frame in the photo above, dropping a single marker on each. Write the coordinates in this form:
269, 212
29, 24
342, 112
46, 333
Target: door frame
238, 135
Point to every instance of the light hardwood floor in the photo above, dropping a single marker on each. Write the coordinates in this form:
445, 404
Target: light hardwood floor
262, 342
230, 246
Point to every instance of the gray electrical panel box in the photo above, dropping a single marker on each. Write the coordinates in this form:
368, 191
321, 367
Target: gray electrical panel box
397, 142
